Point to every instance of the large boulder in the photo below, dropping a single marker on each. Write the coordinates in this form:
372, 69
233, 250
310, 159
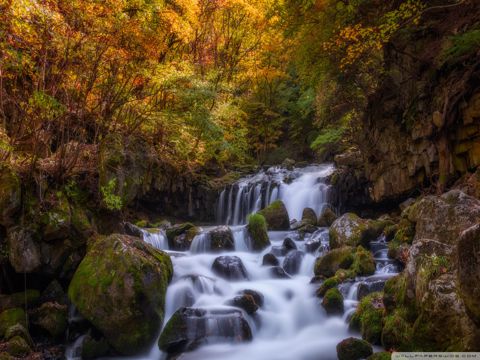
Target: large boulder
309, 216
468, 259
189, 328
333, 302
276, 216
347, 231
353, 349
257, 232
120, 288
23, 251
221, 239
230, 268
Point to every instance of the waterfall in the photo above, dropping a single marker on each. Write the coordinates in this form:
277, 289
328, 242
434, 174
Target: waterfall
298, 188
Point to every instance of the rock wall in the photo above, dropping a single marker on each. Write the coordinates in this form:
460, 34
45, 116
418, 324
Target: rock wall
422, 125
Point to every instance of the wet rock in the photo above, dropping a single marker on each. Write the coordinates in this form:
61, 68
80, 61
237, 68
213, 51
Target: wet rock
368, 318
176, 231
184, 241
278, 251
221, 239
353, 349
313, 245
258, 297
52, 318
276, 216
327, 217
333, 302
334, 260
289, 244
363, 262
189, 328
230, 268
317, 279
257, 231
120, 270
133, 230
23, 251
245, 302
309, 217
293, 262
468, 257
370, 286
270, 260
326, 285
277, 272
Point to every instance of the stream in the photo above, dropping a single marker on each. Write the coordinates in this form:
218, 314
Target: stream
291, 323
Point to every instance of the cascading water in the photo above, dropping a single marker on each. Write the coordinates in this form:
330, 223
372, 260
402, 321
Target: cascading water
298, 189
290, 323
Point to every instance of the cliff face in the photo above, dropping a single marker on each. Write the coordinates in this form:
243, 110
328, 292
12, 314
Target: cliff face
422, 125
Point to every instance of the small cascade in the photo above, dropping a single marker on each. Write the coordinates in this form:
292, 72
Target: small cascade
298, 189
156, 237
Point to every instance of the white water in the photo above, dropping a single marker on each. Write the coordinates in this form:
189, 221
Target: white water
291, 324
298, 189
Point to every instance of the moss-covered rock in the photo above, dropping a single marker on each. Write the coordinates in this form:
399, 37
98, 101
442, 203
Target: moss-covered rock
120, 288
10, 194
327, 217
221, 239
177, 230
19, 330
17, 346
402, 239
353, 349
347, 231
276, 216
184, 241
333, 302
309, 217
328, 264
11, 317
397, 331
368, 318
56, 220
328, 284
52, 318
28, 297
257, 231
94, 348
363, 262
395, 295
382, 355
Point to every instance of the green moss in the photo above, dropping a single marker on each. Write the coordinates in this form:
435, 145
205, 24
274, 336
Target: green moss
462, 45
17, 346
368, 318
257, 230
327, 285
142, 223
276, 216
328, 264
333, 302
363, 263
10, 318
383, 355
397, 332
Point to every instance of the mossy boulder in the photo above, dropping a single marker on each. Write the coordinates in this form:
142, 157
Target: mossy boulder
18, 330
327, 217
11, 317
363, 262
395, 294
382, 355
353, 349
368, 318
328, 264
402, 239
120, 288
52, 318
57, 219
94, 348
23, 250
397, 332
309, 217
18, 347
347, 231
177, 230
257, 231
184, 241
333, 302
328, 284
28, 298
10, 194
276, 216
